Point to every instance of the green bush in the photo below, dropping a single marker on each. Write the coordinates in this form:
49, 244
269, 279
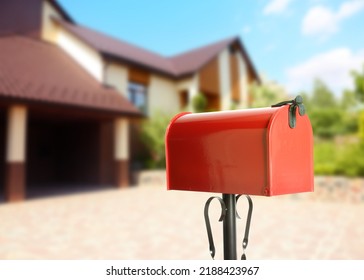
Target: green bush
361, 127
350, 123
325, 169
325, 156
333, 159
199, 103
327, 122
152, 135
351, 161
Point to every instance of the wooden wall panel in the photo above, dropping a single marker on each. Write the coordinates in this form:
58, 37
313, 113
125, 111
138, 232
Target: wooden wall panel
209, 77
139, 76
213, 103
234, 78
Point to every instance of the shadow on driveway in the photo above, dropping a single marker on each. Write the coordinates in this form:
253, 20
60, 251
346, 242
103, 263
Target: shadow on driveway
45, 191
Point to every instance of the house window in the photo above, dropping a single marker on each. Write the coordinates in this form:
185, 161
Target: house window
137, 94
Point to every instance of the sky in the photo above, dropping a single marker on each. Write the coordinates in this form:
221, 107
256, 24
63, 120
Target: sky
290, 42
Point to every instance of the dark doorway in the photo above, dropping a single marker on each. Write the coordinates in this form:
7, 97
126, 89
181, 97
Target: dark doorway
213, 102
63, 155
2, 152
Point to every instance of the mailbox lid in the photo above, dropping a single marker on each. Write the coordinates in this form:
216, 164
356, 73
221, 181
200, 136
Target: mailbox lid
223, 152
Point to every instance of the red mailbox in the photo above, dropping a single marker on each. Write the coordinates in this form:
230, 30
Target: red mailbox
265, 151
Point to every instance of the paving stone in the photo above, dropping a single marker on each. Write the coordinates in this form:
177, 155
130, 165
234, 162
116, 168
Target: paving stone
151, 223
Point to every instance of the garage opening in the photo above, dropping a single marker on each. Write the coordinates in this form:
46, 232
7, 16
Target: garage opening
67, 155
2, 152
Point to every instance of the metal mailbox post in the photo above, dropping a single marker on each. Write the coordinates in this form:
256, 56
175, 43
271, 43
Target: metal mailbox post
265, 152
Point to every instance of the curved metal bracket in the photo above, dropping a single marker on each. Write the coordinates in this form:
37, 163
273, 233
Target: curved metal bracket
294, 104
247, 226
208, 224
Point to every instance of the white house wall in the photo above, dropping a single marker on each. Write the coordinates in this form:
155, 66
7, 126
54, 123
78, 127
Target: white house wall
184, 84
162, 95
191, 86
116, 75
86, 56
49, 27
193, 90
194, 87
225, 82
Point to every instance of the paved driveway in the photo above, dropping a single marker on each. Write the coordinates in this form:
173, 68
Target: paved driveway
152, 223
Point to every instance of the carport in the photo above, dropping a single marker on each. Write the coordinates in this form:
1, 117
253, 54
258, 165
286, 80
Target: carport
52, 150
68, 152
59, 127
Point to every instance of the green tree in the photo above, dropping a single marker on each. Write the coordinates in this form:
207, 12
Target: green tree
328, 117
322, 96
361, 128
326, 122
359, 93
359, 84
267, 94
306, 100
348, 100
348, 105
350, 122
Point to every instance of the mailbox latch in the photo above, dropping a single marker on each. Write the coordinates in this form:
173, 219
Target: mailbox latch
294, 104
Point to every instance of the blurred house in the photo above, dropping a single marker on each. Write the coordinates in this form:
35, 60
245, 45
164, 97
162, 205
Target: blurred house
68, 95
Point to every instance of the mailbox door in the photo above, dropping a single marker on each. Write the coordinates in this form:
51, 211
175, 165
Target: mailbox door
290, 155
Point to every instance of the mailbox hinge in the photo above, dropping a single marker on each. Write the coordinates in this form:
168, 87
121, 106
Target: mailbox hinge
294, 104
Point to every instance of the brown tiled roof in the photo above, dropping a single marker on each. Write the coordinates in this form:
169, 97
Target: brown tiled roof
25, 16
119, 49
33, 70
191, 61
175, 66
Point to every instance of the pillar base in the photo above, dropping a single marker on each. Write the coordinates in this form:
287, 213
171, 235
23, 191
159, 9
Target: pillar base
15, 181
122, 173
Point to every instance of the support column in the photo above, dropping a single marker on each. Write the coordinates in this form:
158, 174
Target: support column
193, 90
243, 80
121, 152
224, 75
16, 153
